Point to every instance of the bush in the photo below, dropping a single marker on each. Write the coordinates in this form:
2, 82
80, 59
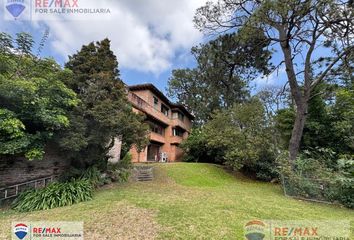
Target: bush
265, 167
196, 149
55, 195
310, 179
346, 181
246, 137
71, 173
120, 175
125, 162
93, 175
121, 171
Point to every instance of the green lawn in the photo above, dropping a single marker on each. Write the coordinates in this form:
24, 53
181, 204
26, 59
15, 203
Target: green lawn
185, 201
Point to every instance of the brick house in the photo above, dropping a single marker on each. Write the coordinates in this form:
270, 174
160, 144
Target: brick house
170, 124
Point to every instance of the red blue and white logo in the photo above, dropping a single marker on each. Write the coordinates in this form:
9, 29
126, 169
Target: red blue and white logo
21, 230
255, 230
15, 7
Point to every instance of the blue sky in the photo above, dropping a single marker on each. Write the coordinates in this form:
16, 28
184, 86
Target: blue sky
149, 39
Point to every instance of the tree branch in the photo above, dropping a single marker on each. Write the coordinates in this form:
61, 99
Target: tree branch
323, 75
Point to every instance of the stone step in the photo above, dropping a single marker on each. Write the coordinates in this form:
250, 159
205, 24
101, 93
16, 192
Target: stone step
144, 174
144, 179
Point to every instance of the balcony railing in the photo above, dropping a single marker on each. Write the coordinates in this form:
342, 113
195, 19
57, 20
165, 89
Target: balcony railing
178, 122
141, 104
157, 137
146, 107
176, 139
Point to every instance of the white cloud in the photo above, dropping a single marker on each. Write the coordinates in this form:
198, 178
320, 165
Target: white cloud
275, 78
145, 35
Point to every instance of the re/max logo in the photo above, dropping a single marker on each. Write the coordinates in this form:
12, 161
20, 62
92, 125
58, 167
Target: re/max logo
56, 3
46, 230
296, 231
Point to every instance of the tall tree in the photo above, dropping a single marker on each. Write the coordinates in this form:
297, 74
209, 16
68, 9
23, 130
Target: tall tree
34, 101
104, 112
302, 29
220, 79
245, 137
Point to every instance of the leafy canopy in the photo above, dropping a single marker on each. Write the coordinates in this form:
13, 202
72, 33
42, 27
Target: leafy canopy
104, 112
34, 101
220, 79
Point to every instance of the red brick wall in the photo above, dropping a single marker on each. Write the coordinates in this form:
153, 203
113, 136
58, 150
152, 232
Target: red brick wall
168, 141
138, 157
15, 170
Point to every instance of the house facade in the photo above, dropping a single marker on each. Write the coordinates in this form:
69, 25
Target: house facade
169, 123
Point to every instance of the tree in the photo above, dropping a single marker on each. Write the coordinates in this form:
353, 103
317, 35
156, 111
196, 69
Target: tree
34, 101
220, 79
197, 149
273, 98
316, 132
245, 137
329, 124
342, 115
104, 111
304, 31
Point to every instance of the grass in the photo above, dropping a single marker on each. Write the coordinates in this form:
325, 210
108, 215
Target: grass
185, 201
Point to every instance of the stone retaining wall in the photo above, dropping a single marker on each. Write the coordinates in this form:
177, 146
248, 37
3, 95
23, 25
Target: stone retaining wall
14, 170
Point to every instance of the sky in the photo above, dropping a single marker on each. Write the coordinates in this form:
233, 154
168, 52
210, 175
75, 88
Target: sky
149, 37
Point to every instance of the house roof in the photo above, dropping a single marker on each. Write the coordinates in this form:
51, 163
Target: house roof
158, 93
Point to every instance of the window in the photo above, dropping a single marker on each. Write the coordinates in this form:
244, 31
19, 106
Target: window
164, 109
177, 132
157, 129
178, 115
156, 102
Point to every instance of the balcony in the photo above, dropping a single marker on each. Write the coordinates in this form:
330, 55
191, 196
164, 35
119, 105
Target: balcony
157, 137
176, 139
179, 123
144, 106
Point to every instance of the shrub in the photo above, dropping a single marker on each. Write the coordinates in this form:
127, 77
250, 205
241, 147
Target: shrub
69, 174
310, 179
125, 162
120, 175
196, 148
265, 168
346, 181
246, 137
121, 171
93, 175
55, 195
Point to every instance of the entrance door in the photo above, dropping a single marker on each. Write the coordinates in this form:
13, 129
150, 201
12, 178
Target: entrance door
153, 153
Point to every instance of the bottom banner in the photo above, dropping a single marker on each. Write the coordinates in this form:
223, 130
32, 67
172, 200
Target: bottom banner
47, 230
296, 230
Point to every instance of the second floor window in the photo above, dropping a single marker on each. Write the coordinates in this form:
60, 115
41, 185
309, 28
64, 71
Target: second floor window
178, 115
164, 109
177, 132
157, 129
156, 102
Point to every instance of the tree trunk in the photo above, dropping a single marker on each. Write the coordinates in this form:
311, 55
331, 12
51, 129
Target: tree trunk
300, 99
295, 140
